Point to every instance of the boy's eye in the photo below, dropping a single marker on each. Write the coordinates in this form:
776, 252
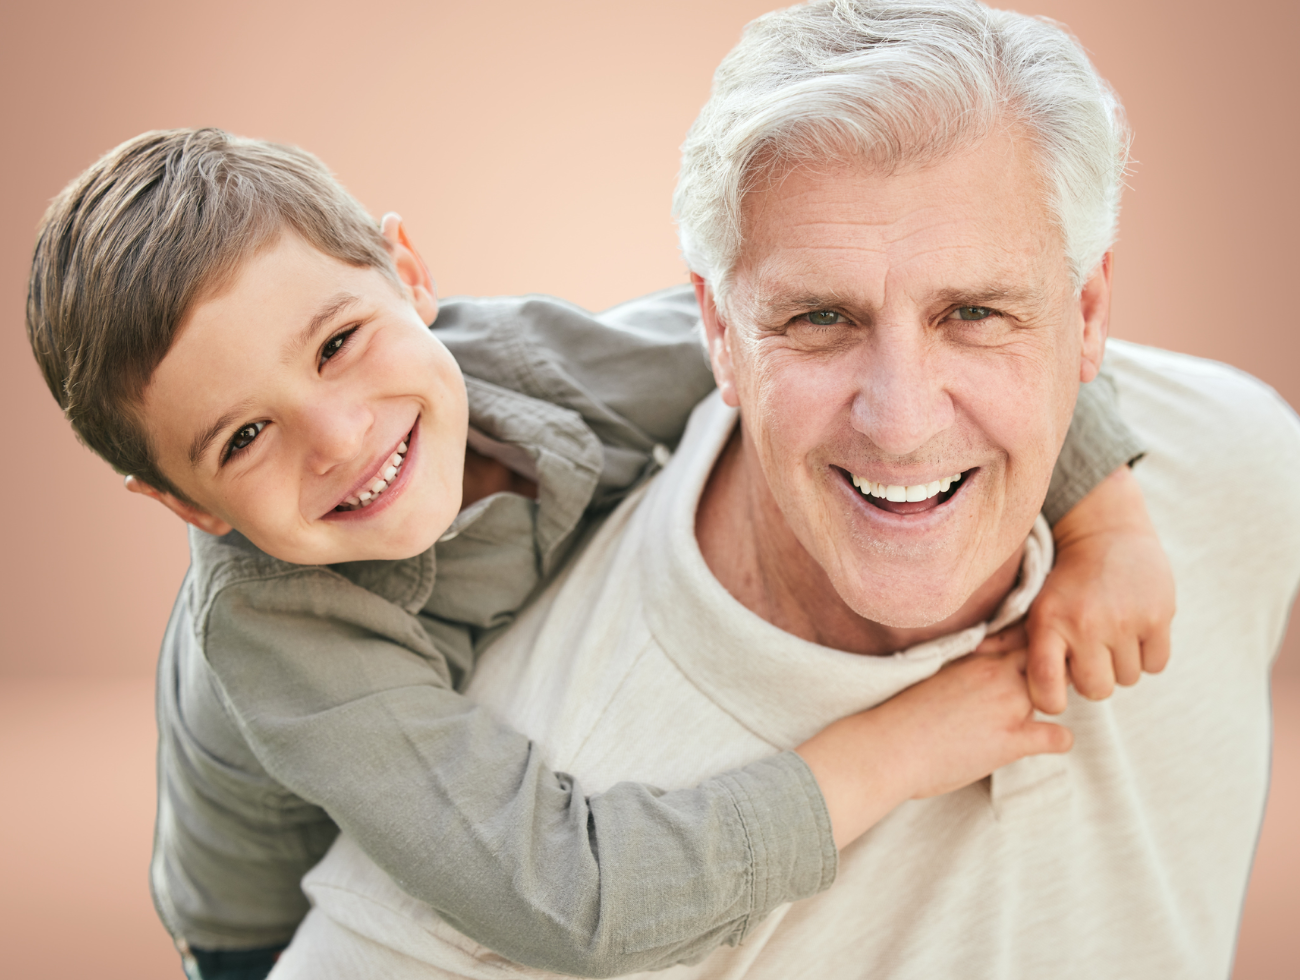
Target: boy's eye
335, 344
823, 318
973, 312
244, 437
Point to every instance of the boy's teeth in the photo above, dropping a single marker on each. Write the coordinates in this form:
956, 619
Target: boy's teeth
379, 484
901, 494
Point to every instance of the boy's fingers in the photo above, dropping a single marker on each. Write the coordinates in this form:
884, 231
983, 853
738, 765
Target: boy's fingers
1047, 736
1155, 650
1017, 660
1045, 671
1127, 657
1092, 671
1011, 638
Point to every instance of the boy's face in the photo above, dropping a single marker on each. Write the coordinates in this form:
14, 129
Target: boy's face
288, 393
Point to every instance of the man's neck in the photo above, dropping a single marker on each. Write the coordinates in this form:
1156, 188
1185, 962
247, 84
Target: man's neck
751, 550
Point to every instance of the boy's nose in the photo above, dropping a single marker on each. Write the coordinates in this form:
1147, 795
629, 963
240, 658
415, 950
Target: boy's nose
336, 433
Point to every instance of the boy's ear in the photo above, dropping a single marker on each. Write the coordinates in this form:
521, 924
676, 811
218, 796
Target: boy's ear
186, 512
410, 268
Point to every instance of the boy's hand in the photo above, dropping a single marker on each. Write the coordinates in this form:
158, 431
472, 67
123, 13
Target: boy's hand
1104, 613
970, 718
944, 733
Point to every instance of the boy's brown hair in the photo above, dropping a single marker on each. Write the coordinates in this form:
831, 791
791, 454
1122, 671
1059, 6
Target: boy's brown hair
128, 248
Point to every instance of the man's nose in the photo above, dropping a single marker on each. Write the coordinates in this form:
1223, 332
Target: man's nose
901, 402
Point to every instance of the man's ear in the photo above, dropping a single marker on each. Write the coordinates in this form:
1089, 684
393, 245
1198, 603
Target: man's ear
718, 340
411, 268
186, 512
1094, 304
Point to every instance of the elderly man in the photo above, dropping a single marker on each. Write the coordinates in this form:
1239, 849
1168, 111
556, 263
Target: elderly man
899, 217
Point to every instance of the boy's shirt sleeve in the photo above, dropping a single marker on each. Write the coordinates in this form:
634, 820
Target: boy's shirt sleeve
346, 701
632, 374
1098, 443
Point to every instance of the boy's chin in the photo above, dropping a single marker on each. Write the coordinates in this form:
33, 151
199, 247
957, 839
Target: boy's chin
338, 552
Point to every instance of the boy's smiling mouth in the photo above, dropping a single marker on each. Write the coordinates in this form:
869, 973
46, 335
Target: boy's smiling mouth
385, 475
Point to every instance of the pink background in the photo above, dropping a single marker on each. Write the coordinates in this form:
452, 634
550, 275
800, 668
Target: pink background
531, 146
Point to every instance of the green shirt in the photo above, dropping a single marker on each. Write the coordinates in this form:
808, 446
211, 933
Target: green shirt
295, 700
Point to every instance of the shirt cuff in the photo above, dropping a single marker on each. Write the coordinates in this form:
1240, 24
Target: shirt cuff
788, 830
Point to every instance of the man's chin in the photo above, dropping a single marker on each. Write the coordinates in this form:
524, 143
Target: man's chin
915, 594
908, 616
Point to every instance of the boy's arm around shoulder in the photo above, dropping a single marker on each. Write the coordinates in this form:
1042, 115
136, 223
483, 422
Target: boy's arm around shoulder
347, 701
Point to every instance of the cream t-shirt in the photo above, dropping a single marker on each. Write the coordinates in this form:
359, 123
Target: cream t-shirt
1126, 858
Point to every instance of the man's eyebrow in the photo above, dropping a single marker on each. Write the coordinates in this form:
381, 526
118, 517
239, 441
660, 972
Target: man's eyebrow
331, 308
989, 293
772, 307
199, 447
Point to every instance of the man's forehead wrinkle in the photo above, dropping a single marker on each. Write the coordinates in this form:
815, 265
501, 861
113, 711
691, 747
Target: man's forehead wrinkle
328, 310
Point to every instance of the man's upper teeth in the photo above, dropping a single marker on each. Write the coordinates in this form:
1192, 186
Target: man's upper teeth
899, 493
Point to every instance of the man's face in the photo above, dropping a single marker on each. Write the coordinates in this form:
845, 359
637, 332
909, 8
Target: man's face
902, 330
295, 389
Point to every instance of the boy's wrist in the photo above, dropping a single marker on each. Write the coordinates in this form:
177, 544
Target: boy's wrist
861, 764
1115, 505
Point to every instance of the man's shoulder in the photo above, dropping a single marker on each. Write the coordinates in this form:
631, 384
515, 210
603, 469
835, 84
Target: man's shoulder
1213, 406
1220, 474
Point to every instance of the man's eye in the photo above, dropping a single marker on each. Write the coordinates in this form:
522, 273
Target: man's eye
335, 344
823, 318
974, 312
244, 437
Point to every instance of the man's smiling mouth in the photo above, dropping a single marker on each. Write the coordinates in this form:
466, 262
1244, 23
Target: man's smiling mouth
386, 476
910, 499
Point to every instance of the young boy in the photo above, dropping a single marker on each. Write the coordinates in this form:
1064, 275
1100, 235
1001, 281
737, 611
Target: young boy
222, 322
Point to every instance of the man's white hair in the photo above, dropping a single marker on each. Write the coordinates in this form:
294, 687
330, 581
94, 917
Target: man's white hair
899, 83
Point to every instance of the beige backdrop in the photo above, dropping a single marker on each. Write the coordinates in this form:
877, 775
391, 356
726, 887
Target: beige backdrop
531, 146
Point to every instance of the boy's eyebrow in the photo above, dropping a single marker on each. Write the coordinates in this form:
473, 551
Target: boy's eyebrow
204, 439
331, 308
